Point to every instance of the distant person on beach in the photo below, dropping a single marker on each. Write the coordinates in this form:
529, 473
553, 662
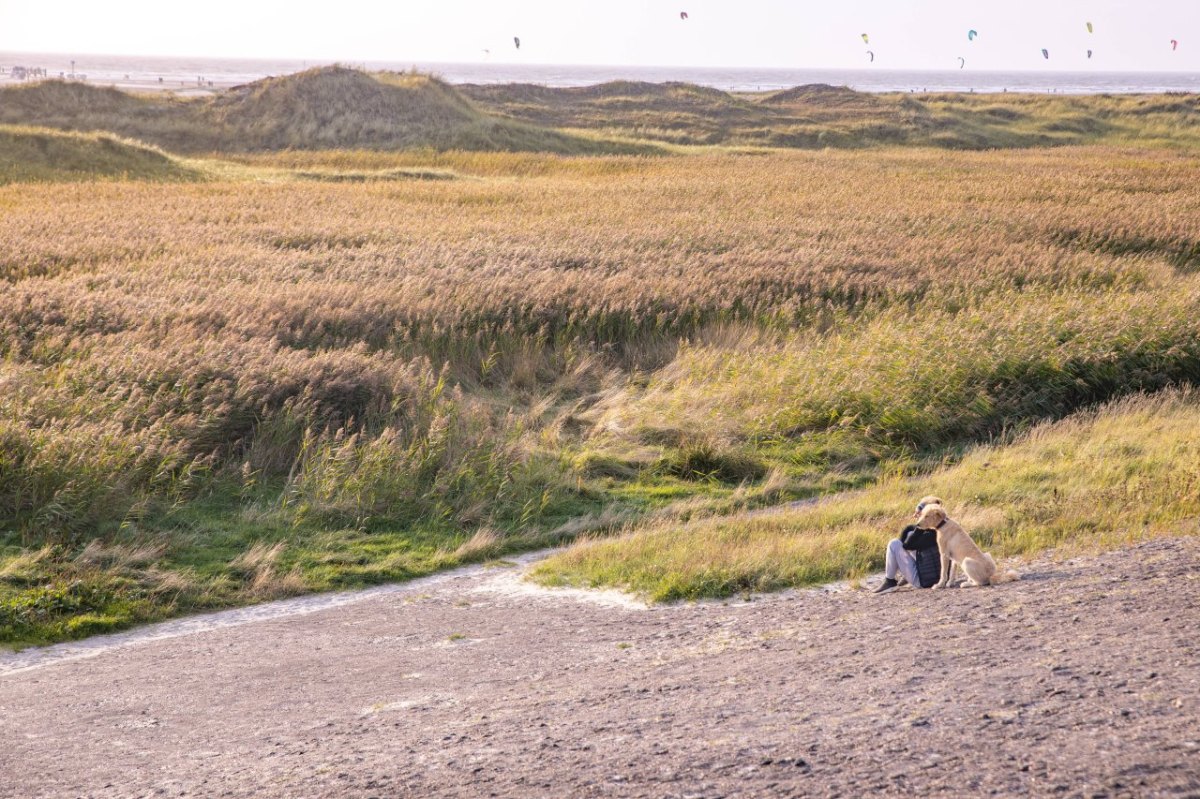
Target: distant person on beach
912, 556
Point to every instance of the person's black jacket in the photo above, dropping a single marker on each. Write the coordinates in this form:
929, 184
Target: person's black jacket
923, 544
916, 539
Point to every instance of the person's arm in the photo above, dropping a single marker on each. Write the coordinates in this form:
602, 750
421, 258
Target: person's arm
907, 535
920, 539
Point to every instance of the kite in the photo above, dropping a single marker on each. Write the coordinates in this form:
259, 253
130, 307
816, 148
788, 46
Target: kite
1045, 54
1089, 27
683, 15
1174, 45
517, 42
971, 34
872, 54
866, 39
1089, 53
962, 62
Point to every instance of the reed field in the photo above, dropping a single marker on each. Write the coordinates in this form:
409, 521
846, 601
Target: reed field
248, 375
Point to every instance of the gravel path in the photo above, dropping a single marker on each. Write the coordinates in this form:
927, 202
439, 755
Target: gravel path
1081, 680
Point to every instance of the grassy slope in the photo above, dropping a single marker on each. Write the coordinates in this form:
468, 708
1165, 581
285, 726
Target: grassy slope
320, 108
1098, 479
36, 155
173, 124
831, 408
337, 107
342, 108
824, 116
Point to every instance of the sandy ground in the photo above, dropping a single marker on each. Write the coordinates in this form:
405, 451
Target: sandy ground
1081, 680
183, 88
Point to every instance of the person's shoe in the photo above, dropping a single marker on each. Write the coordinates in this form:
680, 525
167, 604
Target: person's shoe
903, 581
888, 585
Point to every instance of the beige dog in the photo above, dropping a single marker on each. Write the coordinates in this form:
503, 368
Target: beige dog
957, 549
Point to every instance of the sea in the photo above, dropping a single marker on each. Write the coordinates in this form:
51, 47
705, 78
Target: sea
206, 75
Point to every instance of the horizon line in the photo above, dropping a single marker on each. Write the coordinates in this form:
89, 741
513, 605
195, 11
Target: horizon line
328, 61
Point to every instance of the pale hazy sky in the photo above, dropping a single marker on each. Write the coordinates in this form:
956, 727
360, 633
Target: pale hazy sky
919, 34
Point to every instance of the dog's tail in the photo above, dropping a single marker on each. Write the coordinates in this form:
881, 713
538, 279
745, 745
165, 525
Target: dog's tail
1000, 576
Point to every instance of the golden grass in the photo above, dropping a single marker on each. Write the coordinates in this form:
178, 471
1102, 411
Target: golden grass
819, 116
372, 372
152, 334
926, 376
1098, 479
314, 109
258, 567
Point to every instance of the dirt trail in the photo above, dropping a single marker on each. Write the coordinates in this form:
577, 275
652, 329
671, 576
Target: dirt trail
1081, 680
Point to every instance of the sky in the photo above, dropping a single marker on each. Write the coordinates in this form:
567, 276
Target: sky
918, 34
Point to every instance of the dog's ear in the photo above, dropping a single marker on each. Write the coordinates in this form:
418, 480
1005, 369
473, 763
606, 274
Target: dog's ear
931, 517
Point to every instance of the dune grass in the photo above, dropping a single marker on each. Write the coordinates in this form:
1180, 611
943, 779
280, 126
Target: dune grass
340, 108
820, 116
886, 386
1108, 477
40, 155
216, 392
331, 107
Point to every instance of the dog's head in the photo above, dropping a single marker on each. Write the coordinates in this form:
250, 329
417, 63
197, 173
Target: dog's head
925, 502
931, 516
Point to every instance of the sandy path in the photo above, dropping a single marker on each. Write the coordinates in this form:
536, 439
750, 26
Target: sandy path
1081, 680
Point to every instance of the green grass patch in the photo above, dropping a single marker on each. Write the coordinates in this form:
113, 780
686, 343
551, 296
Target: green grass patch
1097, 479
226, 549
889, 386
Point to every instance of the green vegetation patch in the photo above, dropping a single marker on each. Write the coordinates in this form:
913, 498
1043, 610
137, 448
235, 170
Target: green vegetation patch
377, 175
226, 548
1098, 479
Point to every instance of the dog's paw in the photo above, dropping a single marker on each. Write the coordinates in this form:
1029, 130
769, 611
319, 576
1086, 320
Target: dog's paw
939, 585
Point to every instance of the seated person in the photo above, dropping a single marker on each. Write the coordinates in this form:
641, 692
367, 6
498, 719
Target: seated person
912, 556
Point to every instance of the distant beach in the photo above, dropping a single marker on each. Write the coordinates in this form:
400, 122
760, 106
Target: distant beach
188, 76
